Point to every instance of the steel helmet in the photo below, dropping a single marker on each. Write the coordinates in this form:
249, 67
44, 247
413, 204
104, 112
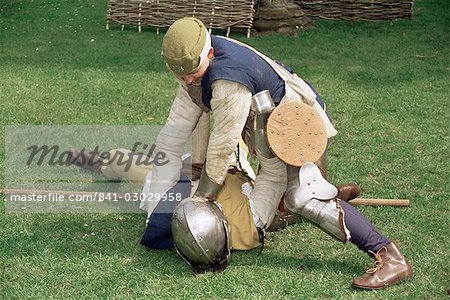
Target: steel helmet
201, 235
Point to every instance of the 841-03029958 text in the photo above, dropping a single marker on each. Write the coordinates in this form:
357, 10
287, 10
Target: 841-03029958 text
139, 196
66, 196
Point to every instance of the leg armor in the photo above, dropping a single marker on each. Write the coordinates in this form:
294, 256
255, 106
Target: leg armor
314, 199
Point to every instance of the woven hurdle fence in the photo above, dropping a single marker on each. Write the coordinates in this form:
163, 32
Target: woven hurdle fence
215, 14
357, 10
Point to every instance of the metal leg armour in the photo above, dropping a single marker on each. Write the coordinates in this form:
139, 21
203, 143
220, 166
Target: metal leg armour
314, 199
328, 216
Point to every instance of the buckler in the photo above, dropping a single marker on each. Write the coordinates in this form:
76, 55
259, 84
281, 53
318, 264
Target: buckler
296, 133
292, 131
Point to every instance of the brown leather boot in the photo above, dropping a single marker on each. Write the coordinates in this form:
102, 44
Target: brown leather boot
348, 191
85, 159
390, 267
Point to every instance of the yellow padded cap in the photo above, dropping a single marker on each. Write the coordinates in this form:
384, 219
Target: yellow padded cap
183, 45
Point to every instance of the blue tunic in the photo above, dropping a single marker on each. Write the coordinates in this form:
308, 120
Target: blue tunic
240, 64
237, 63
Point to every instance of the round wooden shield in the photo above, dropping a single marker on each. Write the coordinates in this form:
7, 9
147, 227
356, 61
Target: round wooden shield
296, 133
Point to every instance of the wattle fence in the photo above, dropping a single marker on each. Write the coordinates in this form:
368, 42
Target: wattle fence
216, 14
231, 14
357, 10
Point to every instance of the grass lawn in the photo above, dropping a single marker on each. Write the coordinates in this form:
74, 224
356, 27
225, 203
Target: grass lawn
386, 85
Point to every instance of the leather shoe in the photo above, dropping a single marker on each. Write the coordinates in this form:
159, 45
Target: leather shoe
348, 191
85, 159
390, 267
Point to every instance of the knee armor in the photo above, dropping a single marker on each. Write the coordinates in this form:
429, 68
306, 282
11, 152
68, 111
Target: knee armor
314, 199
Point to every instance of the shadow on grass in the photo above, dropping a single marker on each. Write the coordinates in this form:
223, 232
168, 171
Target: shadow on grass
304, 263
116, 237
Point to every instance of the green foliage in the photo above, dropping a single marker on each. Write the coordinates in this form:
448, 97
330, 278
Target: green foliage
386, 87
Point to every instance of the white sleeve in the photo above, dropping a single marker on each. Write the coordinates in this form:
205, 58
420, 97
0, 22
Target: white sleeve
200, 138
183, 117
230, 106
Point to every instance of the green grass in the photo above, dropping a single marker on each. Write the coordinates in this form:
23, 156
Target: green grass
386, 87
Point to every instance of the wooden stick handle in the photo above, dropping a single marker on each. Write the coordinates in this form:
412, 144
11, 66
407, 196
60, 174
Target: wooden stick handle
379, 202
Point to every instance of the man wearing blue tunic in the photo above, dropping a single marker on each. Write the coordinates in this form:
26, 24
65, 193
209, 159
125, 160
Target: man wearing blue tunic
218, 77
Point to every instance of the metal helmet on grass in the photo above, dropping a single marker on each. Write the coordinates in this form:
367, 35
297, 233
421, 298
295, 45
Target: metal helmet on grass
201, 235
